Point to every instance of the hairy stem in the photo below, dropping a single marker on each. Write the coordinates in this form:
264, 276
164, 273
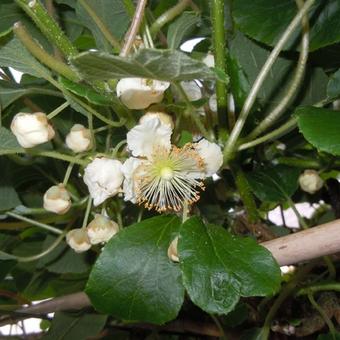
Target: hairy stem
39, 53
283, 129
169, 15
48, 26
58, 110
231, 142
134, 28
35, 223
219, 43
292, 87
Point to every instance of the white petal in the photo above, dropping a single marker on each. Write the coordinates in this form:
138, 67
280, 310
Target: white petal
145, 138
192, 90
211, 154
139, 93
104, 178
129, 167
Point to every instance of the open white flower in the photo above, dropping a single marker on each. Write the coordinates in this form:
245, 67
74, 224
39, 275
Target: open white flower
140, 93
104, 178
129, 168
143, 138
78, 240
57, 199
169, 178
172, 250
101, 229
31, 129
211, 154
310, 181
79, 138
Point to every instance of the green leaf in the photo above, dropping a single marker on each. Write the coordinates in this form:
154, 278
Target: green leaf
181, 28
274, 183
10, 92
112, 15
333, 87
329, 336
62, 259
166, 65
86, 92
218, 268
14, 54
133, 278
320, 127
265, 21
67, 326
8, 142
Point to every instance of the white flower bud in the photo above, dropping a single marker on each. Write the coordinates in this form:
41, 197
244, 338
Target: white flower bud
211, 154
140, 93
57, 199
101, 229
104, 177
172, 250
310, 181
145, 138
79, 138
78, 240
209, 60
213, 103
31, 129
192, 90
163, 117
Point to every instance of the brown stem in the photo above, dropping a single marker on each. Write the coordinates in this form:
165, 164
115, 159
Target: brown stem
134, 28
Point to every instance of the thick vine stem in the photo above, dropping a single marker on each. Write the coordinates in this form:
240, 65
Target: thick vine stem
285, 128
100, 24
292, 87
134, 28
48, 26
38, 52
219, 43
169, 15
235, 133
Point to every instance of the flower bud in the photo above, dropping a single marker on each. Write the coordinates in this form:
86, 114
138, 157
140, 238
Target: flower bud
139, 93
163, 117
172, 250
310, 181
101, 229
104, 178
79, 138
211, 154
31, 129
209, 60
78, 240
57, 199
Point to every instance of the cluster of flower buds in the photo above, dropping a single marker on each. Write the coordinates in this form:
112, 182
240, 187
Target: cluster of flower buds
100, 230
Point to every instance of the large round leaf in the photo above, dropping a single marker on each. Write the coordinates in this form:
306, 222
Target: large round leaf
218, 268
321, 128
133, 278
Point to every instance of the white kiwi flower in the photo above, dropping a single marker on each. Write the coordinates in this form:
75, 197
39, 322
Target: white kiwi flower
140, 93
101, 229
104, 178
78, 240
31, 129
57, 199
79, 138
310, 181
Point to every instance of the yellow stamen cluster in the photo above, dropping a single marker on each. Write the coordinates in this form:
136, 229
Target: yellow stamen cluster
170, 179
